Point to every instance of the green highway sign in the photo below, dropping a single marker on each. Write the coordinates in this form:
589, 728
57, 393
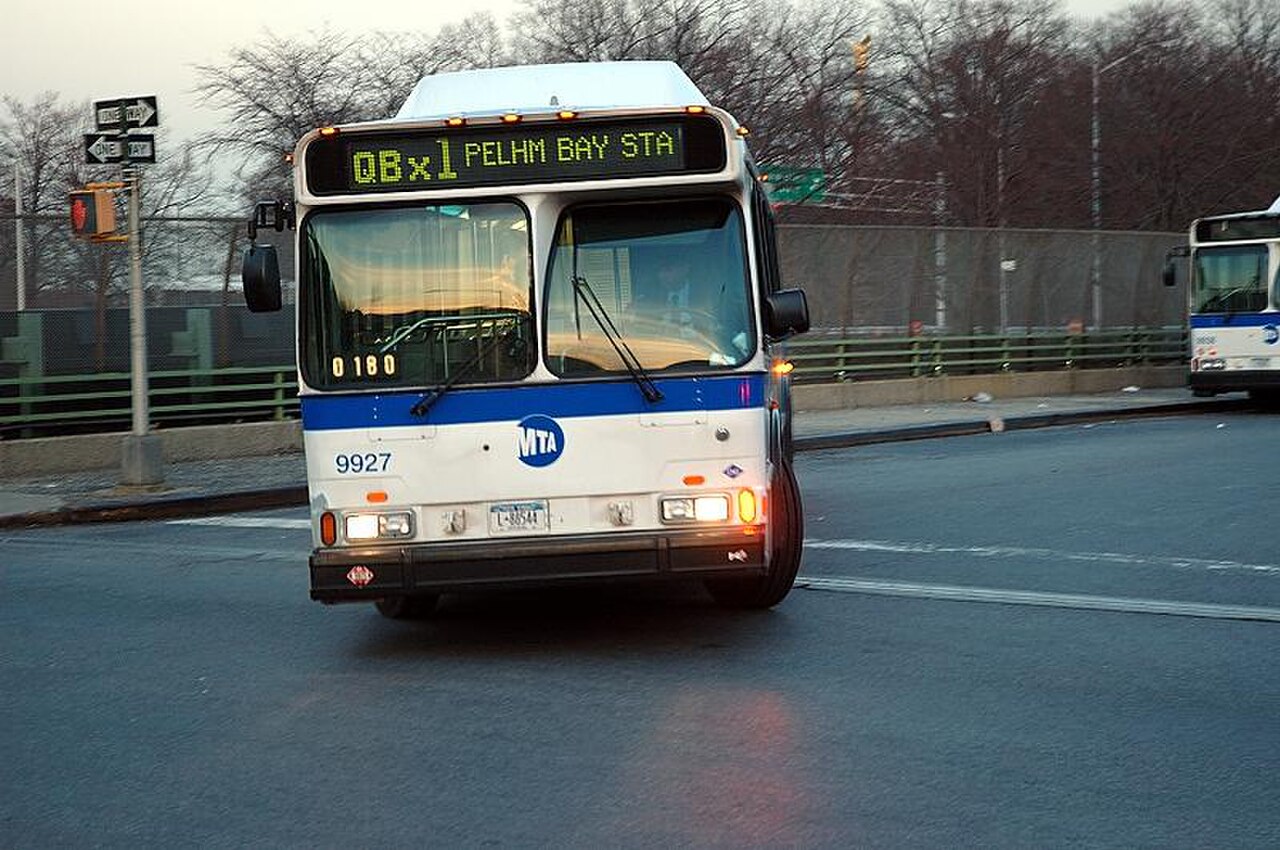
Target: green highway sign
787, 184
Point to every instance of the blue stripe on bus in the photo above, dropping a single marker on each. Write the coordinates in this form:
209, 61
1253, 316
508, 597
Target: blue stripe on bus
560, 400
1235, 320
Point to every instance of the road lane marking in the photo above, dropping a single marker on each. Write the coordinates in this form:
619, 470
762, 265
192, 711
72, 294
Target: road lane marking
233, 521
953, 593
1128, 559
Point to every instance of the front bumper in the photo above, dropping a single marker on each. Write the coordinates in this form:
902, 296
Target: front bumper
336, 574
1235, 380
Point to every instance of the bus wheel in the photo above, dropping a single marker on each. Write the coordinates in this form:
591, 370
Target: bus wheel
408, 606
1265, 398
788, 542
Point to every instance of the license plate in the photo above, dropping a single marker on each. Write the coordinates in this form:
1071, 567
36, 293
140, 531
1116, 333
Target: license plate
1260, 362
518, 518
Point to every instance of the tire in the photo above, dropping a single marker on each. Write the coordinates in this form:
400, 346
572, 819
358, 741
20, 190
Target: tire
787, 544
408, 606
1267, 399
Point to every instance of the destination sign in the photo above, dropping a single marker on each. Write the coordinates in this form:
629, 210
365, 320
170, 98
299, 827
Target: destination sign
535, 153
1233, 229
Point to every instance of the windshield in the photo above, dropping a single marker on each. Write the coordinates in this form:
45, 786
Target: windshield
669, 275
407, 296
1230, 279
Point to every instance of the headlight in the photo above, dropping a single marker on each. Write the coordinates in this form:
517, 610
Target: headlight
695, 509
378, 526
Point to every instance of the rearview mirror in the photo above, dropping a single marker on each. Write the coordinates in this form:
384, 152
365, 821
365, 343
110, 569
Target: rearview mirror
1170, 274
786, 312
260, 273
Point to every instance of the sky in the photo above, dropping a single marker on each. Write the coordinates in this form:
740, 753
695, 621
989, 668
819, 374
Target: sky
89, 50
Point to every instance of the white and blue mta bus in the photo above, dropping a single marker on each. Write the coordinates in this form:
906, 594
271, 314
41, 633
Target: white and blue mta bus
1234, 306
538, 323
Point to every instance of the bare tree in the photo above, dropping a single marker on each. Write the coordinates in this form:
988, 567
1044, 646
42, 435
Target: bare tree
991, 99
784, 70
40, 138
966, 81
819, 114
278, 89
1191, 126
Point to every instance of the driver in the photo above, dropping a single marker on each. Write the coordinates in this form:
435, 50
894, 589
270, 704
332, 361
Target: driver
671, 286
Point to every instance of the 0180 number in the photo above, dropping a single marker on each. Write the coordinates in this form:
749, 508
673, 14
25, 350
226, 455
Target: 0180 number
364, 366
358, 462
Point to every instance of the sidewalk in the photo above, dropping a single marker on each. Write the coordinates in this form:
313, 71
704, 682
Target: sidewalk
258, 483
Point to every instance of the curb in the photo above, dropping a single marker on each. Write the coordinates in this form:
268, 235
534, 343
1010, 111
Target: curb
187, 506
995, 424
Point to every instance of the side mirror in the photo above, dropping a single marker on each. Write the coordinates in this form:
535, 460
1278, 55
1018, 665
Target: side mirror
1170, 274
786, 312
260, 273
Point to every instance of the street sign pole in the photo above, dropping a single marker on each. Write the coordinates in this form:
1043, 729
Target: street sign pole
137, 308
142, 460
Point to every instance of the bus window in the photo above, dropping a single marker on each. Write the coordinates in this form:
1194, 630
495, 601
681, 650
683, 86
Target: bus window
672, 277
1230, 279
408, 296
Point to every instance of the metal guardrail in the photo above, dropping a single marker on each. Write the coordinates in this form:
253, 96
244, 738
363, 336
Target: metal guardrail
75, 404
70, 404
877, 358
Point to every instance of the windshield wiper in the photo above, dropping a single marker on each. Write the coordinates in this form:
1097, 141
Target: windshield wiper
611, 333
437, 392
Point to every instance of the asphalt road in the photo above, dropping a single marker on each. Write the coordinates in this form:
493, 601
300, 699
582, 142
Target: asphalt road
1045, 638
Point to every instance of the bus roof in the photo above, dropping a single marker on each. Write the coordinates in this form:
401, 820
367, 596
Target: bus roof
572, 85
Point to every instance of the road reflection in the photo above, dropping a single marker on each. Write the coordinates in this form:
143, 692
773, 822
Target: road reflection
720, 768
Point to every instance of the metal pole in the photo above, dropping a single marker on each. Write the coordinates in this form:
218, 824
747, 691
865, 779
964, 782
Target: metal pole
1095, 147
137, 309
1001, 222
20, 233
940, 256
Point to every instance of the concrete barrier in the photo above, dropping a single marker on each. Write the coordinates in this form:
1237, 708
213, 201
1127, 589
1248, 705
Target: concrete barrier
22, 458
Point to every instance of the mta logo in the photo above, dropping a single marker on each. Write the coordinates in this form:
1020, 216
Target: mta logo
539, 441
1270, 334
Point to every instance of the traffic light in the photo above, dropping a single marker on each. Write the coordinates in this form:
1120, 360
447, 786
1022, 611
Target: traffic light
93, 213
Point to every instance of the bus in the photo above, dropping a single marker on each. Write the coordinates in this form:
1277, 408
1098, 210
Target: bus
1234, 303
540, 339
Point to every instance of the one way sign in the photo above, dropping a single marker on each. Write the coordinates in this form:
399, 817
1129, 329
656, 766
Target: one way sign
100, 149
126, 113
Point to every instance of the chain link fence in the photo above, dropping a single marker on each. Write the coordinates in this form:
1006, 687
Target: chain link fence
860, 280
864, 280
